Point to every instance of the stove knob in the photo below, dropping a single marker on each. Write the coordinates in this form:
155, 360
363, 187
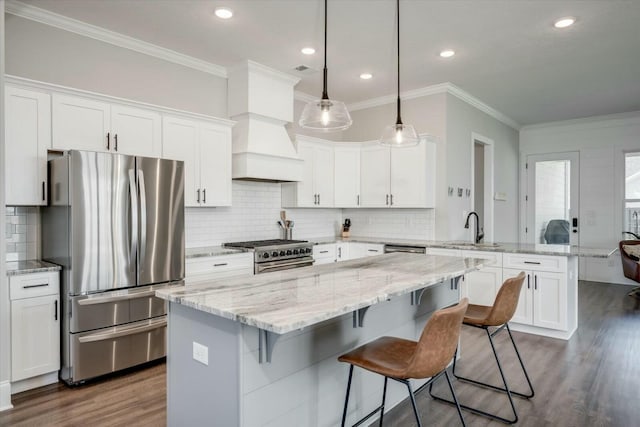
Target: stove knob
281, 253
274, 254
265, 255
289, 252
308, 250
295, 252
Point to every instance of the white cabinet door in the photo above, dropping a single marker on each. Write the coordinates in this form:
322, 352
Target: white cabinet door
215, 165
524, 311
342, 251
135, 131
361, 250
35, 336
180, 142
80, 124
374, 176
413, 176
27, 138
550, 300
306, 196
323, 175
482, 285
347, 177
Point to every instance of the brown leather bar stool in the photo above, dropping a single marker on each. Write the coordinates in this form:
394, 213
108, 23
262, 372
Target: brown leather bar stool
498, 315
401, 359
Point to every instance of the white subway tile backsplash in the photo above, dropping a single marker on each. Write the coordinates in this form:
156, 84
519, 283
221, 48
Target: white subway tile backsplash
392, 223
22, 240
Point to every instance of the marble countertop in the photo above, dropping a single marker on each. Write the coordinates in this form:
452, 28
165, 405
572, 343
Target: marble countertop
284, 301
207, 251
521, 248
16, 268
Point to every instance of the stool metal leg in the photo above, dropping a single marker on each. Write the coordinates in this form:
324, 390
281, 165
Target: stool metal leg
493, 387
346, 399
384, 396
413, 402
455, 398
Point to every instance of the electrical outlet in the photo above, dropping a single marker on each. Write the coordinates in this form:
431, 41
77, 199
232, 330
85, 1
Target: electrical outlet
201, 353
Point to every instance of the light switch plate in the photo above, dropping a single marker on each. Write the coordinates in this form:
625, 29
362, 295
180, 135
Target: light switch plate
201, 353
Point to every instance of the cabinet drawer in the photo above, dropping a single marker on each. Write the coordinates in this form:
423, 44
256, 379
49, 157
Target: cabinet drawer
324, 251
496, 257
535, 262
442, 251
34, 285
218, 264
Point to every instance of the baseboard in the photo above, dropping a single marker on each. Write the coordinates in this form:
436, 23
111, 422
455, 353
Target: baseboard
5, 396
34, 382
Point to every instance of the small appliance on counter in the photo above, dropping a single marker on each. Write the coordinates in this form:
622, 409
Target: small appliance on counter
345, 227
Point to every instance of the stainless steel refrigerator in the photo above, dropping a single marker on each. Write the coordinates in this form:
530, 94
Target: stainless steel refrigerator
115, 224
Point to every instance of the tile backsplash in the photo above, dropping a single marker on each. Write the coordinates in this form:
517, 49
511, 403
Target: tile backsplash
392, 223
22, 233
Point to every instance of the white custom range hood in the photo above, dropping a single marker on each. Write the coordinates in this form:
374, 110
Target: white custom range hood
261, 103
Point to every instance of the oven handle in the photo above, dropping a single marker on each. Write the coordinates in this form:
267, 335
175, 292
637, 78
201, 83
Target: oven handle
129, 296
123, 333
262, 269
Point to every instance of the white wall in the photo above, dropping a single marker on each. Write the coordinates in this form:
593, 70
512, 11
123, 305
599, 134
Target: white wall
600, 142
45, 53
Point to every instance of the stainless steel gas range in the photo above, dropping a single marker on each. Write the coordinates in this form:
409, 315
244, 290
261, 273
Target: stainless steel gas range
277, 254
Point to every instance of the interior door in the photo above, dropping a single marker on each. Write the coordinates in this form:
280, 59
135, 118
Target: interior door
553, 199
161, 208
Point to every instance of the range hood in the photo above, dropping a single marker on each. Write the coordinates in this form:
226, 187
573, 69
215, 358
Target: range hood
261, 103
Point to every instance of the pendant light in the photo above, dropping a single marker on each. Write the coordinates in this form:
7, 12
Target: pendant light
325, 114
399, 134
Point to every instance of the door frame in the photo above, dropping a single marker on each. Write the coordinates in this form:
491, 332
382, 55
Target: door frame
489, 166
529, 199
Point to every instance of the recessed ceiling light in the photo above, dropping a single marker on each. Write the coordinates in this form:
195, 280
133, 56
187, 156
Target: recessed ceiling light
366, 76
308, 50
447, 53
223, 13
564, 22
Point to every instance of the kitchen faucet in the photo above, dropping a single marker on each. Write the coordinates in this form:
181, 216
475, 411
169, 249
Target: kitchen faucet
479, 234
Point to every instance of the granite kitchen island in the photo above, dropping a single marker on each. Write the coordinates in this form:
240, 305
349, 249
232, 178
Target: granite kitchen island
261, 350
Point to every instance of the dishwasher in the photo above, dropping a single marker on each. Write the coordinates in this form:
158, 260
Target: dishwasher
405, 248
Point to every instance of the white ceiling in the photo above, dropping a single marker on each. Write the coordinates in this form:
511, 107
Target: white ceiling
508, 53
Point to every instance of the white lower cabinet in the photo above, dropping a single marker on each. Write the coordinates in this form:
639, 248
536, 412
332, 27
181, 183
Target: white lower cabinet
361, 250
481, 286
543, 299
209, 268
35, 325
324, 253
342, 251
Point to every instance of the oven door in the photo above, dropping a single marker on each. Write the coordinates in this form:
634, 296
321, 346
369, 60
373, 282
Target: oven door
266, 267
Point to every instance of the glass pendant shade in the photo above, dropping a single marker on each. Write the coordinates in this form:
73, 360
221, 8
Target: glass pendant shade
399, 135
325, 115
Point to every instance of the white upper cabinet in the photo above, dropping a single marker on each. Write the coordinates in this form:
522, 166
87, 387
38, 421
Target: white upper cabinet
27, 138
136, 131
398, 177
316, 189
87, 124
375, 175
347, 176
205, 149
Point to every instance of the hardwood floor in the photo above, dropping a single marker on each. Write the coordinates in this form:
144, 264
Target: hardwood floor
591, 380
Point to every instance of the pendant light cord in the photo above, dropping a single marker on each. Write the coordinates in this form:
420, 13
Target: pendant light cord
398, 119
325, 95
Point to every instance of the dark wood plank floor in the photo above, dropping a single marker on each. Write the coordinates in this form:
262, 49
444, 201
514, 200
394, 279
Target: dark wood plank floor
591, 380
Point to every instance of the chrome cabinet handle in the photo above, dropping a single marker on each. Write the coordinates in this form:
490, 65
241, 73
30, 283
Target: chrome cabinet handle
198, 191
532, 262
41, 285
318, 198
55, 310
358, 200
535, 282
222, 264
387, 202
115, 138
324, 252
392, 200
339, 252
108, 140
373, 250
43, 191
528, 282
204, 195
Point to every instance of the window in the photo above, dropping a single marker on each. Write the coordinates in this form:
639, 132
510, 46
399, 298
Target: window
631, 220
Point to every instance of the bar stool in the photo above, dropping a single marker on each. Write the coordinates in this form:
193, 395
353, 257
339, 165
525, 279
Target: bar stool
498, 316
400, 360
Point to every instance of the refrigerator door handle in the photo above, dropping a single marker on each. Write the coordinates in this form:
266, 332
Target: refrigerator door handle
143, 215
134, 216
152, 325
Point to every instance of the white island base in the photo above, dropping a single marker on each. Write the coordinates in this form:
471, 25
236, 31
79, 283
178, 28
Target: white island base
304, 385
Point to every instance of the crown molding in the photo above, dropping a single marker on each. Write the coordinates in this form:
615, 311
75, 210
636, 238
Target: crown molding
434, 90
608, 120
250, 66
43, 16
304, 97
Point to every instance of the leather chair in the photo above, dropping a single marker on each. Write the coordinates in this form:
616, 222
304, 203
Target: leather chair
496, 316
400, 359
630, 266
